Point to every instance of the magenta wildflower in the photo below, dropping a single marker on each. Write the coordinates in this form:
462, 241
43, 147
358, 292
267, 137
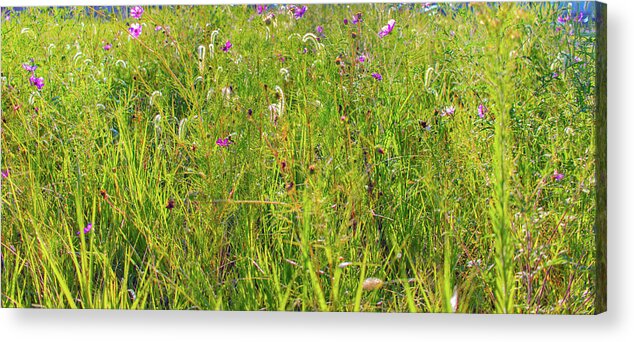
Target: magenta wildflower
580, 17
319, 29
87, 229
299, 11
37, 81
345, 21
261, 8
136, 12
356, 18
577, 59
28, 67
223, 142
377, 76
158, 28
135, 30
362, 59
557, 176
387, 29
482, 110
107, 47
563, 19
227, 46
448, 111
555, 74
5, 173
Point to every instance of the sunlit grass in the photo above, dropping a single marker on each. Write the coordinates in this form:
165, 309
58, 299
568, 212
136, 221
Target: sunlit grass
282, 174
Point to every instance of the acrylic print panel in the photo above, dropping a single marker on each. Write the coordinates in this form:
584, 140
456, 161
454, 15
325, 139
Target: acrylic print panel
423, 158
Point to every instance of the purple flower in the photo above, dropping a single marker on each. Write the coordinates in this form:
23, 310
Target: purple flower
557, 176
28, 67
387, 29
37, 81
299, 11
345, 21
482, 110
158, 28
87, 229
136, 12
223, 142
227, 46
356, 18
261, 8
5, 173
563, 19
135, 30
555, 74
577, 59
580, 17
448, 111
377, 76
107, 47
319, 30
361, 59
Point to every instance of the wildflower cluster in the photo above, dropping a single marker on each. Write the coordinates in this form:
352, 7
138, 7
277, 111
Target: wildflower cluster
135, 29
33, 79
566, 20
261, 9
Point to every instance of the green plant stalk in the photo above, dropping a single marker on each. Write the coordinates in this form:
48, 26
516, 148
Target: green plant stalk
501, 91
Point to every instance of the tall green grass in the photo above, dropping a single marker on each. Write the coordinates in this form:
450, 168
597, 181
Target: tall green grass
338, 192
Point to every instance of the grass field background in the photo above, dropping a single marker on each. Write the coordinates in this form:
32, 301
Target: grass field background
227, 159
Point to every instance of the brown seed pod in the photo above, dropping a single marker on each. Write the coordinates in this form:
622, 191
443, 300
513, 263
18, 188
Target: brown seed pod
372, 284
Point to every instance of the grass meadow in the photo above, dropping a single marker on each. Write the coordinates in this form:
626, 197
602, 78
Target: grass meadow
363, 157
